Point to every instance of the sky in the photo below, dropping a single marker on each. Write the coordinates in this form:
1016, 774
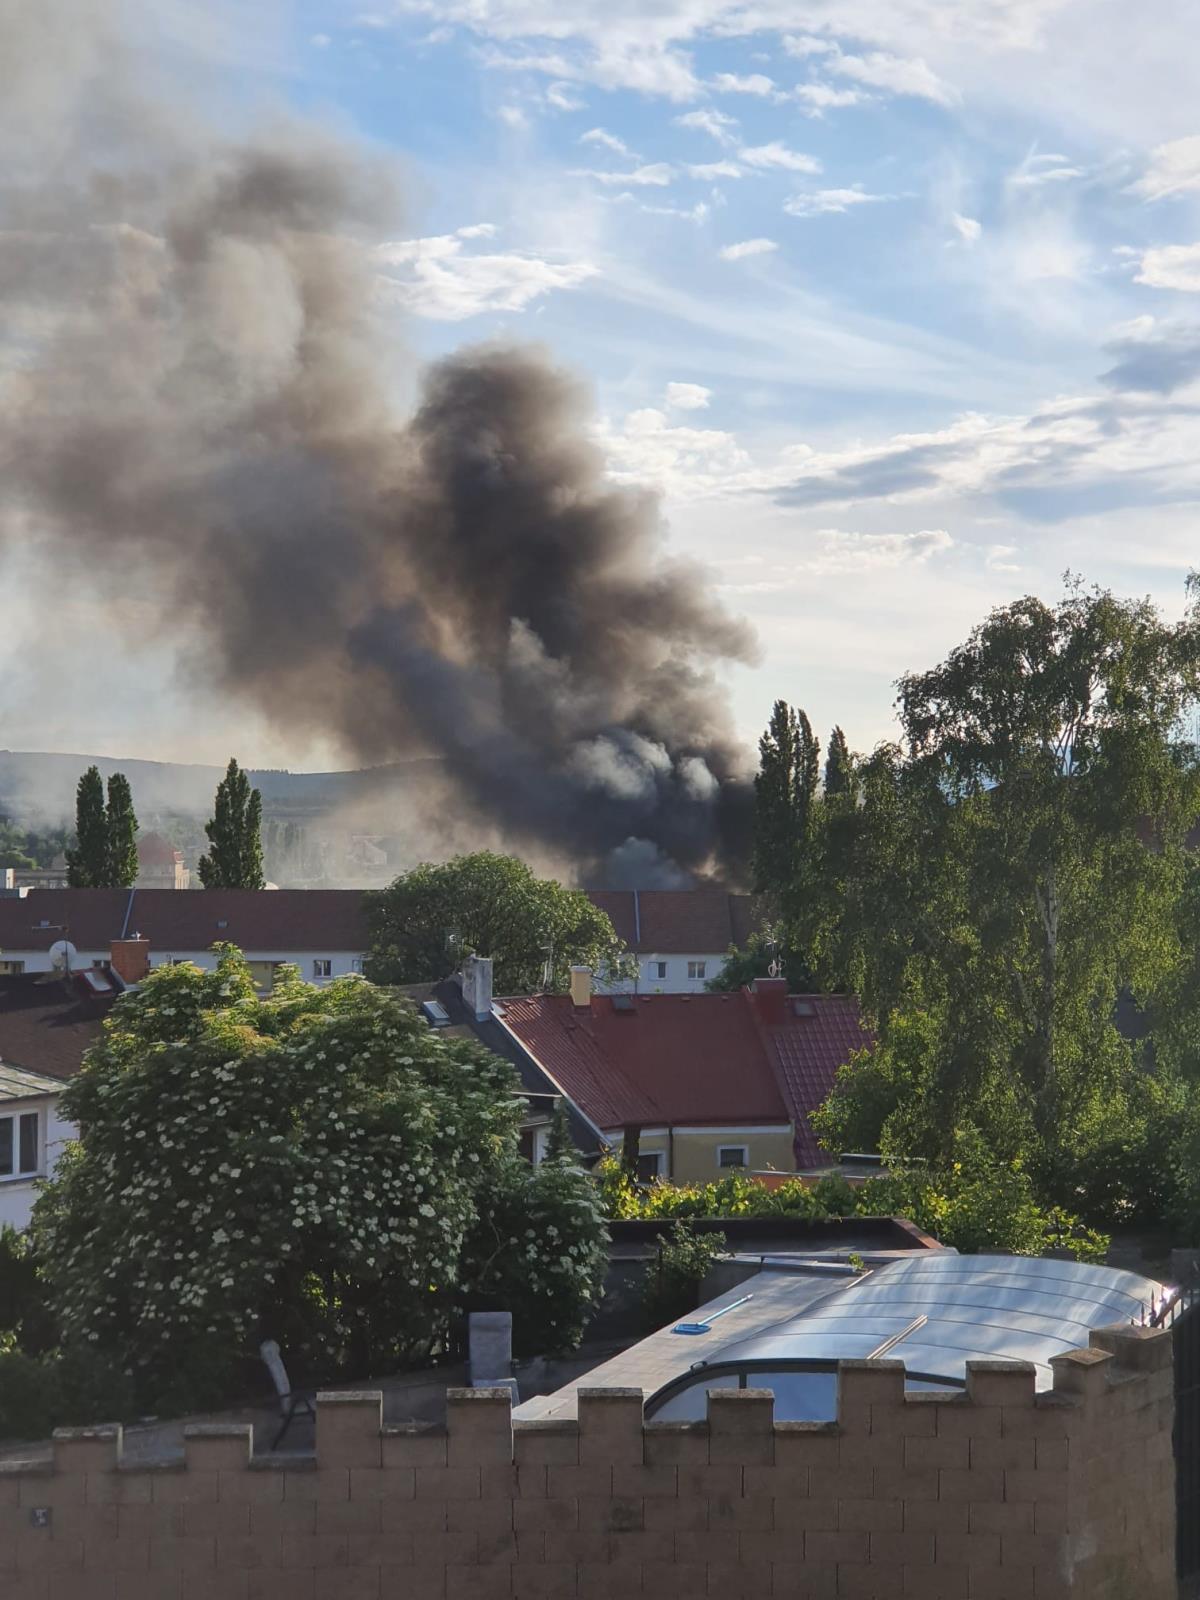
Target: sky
895, 302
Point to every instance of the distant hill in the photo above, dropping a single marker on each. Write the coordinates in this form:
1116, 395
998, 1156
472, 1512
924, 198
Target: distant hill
39, 788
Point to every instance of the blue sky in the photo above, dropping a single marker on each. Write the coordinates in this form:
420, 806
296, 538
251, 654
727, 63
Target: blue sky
895, 301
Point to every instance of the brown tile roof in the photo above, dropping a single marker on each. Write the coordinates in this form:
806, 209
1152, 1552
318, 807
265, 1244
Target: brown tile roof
176, 921
692, 1059
679, 921
46, 1024
155, 851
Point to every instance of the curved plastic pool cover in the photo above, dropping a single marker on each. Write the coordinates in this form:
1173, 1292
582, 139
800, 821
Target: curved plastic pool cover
935, 1313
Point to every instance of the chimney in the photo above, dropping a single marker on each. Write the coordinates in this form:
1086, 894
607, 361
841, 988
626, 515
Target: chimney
770, 999
581, 988
130, 959
477, 986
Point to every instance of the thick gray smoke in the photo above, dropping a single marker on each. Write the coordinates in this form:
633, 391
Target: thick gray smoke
201, 383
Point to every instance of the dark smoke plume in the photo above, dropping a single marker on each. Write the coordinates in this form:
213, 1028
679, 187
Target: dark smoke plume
200, 382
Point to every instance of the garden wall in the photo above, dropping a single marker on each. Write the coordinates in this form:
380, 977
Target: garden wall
995, 1493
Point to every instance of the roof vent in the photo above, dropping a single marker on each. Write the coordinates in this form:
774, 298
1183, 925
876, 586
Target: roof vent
623, 1002
436, 1014
803, 1008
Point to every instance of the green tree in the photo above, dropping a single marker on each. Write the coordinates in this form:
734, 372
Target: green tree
488, 905
320, 1162
234, 857
559, 1144
14, 850
121, 827
88, 862
993, 894
839, 765
784, 791
755, 959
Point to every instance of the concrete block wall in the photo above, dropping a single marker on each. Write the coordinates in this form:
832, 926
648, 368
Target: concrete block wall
996, 1493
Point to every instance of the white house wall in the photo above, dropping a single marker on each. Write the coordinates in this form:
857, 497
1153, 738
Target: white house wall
342, 961
17, 1195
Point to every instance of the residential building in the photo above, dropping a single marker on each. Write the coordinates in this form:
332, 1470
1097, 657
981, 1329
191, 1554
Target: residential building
46, 1024
321, 931
712, 1083
681, 937
160, 864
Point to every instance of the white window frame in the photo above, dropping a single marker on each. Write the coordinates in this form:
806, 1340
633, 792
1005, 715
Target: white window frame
322, 967
742, 1149
20, 1174
356, 963
656, 970
697, 970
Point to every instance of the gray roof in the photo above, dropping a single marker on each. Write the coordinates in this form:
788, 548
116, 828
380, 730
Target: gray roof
18, 1083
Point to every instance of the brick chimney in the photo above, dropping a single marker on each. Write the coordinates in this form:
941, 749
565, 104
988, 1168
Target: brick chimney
581, 988
130, 959
770, 999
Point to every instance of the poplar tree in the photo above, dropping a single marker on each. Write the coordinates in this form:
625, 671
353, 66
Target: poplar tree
837, 764
784, 790
234, 859
121, 868
87, 863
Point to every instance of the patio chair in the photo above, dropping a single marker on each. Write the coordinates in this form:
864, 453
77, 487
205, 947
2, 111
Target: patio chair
291, 1400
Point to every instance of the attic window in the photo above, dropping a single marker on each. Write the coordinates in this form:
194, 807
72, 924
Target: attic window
436, 1014
623, 1002
803, 1008
222, 922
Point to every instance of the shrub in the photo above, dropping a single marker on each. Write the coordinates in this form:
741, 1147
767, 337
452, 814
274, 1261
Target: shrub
671, 1287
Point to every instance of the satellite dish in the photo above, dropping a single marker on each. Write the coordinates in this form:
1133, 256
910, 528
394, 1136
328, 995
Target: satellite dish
62, 955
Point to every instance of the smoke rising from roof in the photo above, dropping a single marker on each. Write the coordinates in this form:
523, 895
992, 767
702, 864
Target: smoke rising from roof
200, 381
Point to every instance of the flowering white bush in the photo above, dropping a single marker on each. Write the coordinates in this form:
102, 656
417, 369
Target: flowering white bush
306, 1166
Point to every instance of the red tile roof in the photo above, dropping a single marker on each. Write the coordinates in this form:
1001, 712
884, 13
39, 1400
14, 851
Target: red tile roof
46, 1024
806, 1052
155, 851
178, 921
679, 921
690, 1059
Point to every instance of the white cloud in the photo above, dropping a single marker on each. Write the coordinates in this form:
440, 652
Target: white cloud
513, 117
778, 156
821, 97
1036, 170
839, 551
803, 45
715, 123
476, 230
896, 74
823, 201
697, 213
715, 169
607, 141
752, 83
1174, 168
967, 228
436, 278
1171, 266
748, 247
688, 463
656, 175
320, 41
999, 558
563, 98
687, 396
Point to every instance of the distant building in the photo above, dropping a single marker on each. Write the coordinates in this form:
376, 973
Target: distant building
160, 865
681, 937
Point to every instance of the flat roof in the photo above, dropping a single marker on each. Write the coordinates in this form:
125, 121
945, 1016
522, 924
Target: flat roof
17, 1083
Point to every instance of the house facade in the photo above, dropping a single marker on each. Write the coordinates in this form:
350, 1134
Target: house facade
46, 1024
681, 937
321, 931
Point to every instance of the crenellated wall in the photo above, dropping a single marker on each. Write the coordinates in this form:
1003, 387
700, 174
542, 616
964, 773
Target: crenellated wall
996, 1493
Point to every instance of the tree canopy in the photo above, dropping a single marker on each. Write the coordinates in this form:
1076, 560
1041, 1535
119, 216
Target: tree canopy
489, 905
1003, 878
234, 859
121, 826
315, 1166
87, 861
784, 791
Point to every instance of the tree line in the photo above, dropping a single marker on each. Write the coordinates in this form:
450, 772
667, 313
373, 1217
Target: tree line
104, 853
1012, 889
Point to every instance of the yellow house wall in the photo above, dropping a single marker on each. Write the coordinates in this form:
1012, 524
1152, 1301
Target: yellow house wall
696, 1153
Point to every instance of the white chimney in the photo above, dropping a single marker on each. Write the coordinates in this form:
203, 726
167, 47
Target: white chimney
477, 986
581, 987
